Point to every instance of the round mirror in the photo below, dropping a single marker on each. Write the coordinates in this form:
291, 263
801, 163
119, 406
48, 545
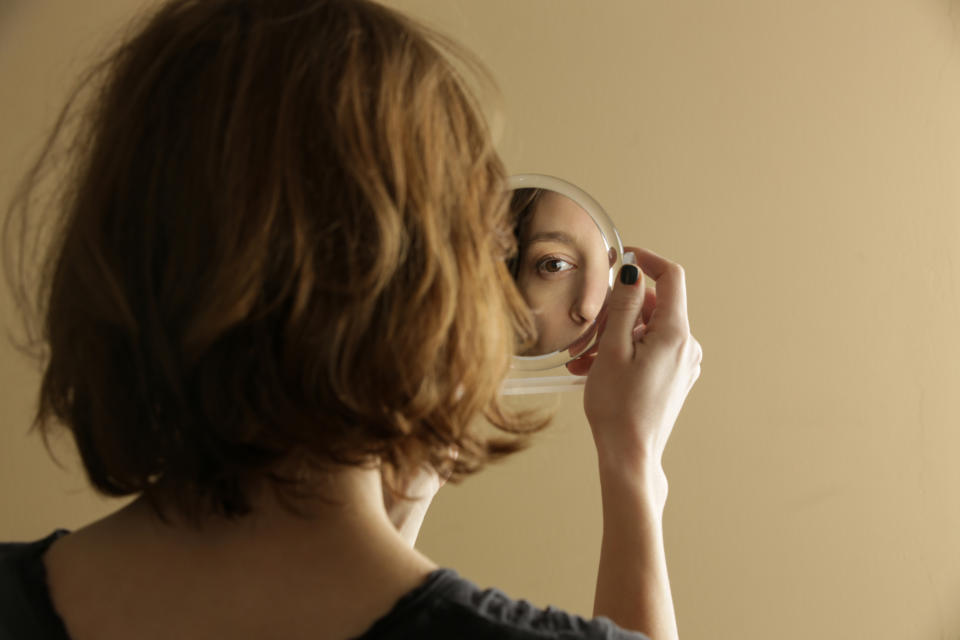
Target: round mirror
569, 253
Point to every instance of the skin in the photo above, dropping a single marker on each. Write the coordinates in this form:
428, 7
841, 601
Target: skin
271, 575
563, 274
275, 574
646, 364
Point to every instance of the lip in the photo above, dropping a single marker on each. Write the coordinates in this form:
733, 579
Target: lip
576, 347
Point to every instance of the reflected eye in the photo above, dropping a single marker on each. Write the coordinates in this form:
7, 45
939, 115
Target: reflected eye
552, 264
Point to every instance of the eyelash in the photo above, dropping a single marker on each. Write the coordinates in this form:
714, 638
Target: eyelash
542, 261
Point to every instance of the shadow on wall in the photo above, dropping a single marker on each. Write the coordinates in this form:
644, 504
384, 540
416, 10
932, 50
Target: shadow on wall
953, 10
9, 8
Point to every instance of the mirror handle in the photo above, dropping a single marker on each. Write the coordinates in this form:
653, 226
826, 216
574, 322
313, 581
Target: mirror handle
549, 384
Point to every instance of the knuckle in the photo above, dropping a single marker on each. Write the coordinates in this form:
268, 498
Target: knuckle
696, 350
672, 338
625, 304
679, 338
694, 378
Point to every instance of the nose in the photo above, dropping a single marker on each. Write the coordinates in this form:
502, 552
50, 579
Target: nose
586, 306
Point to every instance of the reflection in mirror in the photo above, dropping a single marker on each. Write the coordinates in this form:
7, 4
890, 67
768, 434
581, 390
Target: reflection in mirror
562, 269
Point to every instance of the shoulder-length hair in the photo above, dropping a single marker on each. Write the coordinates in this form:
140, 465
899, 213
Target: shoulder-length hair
280, 237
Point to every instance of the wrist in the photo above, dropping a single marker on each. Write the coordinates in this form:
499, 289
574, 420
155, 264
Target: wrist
629, 464
638, 480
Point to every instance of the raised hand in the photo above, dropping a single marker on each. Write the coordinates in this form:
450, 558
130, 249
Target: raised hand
645, 363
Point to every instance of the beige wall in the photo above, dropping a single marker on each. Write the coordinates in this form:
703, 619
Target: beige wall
802, 160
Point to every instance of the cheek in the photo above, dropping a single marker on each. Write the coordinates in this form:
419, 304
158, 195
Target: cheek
560, 294
552, 298
538, 293
599, 280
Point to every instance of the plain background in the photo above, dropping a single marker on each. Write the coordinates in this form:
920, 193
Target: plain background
802, 161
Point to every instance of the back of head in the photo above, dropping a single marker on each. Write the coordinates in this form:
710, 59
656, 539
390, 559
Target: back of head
280, 247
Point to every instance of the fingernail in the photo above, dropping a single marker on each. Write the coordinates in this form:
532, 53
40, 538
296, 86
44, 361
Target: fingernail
629, 258
629, 273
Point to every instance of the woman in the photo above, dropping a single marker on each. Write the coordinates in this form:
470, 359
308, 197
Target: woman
275, 305
561, 268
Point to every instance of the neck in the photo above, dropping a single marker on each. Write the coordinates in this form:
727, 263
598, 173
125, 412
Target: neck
348, 519
341, 564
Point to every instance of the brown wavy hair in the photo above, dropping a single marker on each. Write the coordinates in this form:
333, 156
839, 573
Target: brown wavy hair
523, 204
279, 236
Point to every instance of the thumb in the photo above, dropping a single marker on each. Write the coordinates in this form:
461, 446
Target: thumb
626, 303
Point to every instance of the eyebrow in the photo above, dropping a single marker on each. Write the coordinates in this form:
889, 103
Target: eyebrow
543, 236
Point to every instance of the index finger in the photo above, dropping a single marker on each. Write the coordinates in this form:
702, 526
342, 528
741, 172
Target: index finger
671, 307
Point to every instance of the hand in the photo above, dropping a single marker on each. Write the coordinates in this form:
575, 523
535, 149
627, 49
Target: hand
644, 366
408, 515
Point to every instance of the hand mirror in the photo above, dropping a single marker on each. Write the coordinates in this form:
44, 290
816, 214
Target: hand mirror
569, 253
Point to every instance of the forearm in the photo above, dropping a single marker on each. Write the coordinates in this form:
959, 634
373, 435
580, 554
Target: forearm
633, 588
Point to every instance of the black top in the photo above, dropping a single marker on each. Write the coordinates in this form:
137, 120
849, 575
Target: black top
444, 606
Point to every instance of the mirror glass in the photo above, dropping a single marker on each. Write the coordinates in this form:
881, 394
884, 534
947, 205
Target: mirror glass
568, 251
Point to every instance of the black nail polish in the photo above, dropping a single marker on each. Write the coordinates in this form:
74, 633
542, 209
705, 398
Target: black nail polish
629, 274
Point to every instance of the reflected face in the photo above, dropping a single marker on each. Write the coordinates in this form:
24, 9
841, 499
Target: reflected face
562, 271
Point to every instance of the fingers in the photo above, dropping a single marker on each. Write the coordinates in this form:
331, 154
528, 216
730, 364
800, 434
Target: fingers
662, 310
454, 454
580, 366
626, 303
670, 310
649, 302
